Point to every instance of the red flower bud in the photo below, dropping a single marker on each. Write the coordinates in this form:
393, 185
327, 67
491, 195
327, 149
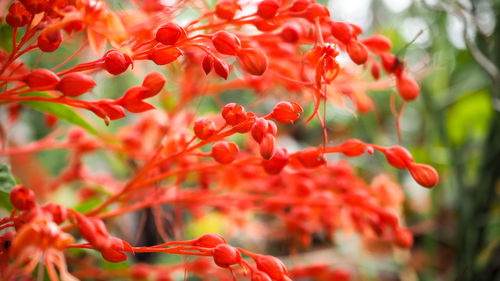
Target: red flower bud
225, 255
94, 231
375, 70
424, 175
114, 252
353, 147
272, 267
258, 275
75, 84
223, 151
42, 79
265, 25
132, 99
357, 52
107, 109
204, 128
36, 6
254, 61
246, 126
209, 240
377, 43
267, 146
169, 33
267, 9
403, 237
274, 165
340, 275
50, 120
407, 87
233, 114
286, 112
316, 10
113, 255
59, 213
221, 68
116, 62
398, 156
49, 41
226, 43
226, 9
390, 63
207, 64
300, 5
154, 81
22, 198
162, 57
291, 33
342, 31
262, 127
311, 157
18, 15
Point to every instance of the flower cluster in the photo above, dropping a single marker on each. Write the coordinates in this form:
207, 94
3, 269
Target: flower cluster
180, 162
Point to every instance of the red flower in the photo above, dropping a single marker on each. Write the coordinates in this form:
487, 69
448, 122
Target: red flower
286, 112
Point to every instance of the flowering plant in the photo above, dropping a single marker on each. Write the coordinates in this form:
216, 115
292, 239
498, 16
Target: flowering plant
177, 162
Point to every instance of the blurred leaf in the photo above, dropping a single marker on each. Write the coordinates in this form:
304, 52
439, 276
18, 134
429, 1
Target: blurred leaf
6, 37
210, 223
6, 184
468, 117
60, 110
88, 205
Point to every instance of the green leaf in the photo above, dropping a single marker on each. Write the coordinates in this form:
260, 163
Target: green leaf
88, 205
6, 37
60, 110
468, 117
6, 184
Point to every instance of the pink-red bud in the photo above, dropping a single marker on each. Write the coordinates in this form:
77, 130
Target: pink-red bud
267, 9
274, 165
36, 6
291, 33
204, 128
75, 84
154, 81
209, 240
166, 56
207, 64
254, 61
221, 68
169, 33
311, 157
49, 41
341, 31
226, 9
233, 114
225, 255
398, 156
223, 152
287, 112
357, 52
377, 43
267, 146
18, 15
226, 43
424, 175
407, 87
42, 79
22, 198
116, 62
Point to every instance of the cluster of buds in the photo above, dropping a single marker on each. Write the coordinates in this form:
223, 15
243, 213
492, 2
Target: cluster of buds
262, 129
